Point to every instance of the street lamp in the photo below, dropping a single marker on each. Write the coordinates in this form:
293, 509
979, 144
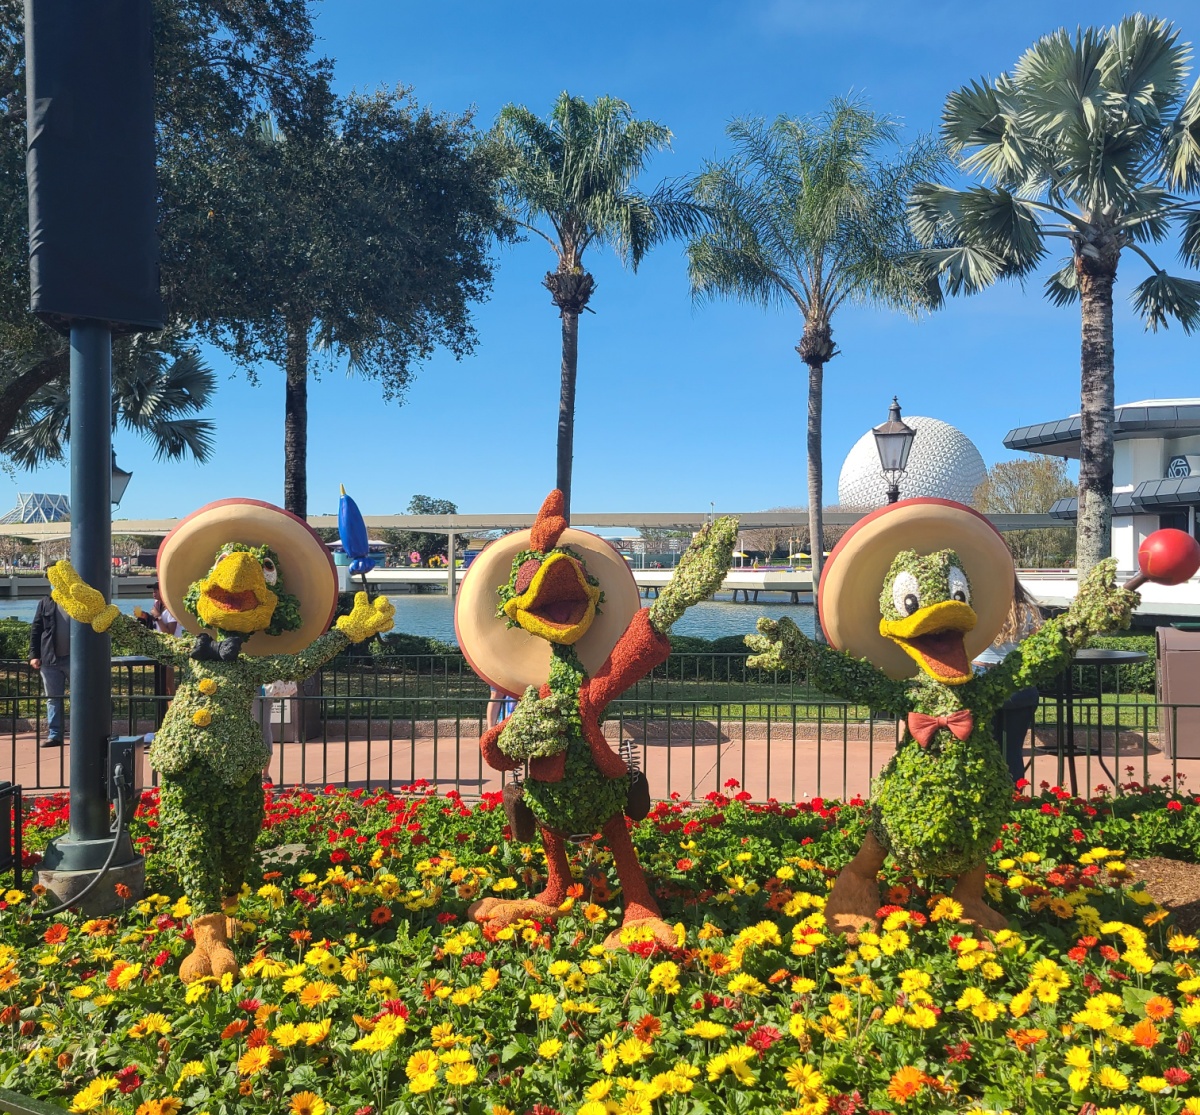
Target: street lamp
120, 481
893, 440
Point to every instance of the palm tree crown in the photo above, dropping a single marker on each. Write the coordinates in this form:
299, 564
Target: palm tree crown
570, 180
1090, 141
810, 214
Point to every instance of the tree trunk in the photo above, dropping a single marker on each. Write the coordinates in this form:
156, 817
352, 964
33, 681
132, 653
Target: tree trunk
295, 421
1093, 528
816, 348
570, 288
566, 407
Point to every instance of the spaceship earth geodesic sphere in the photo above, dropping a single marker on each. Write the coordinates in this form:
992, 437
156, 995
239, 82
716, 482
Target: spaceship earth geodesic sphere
944, 463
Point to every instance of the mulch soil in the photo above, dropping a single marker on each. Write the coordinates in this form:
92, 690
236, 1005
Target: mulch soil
1173, 884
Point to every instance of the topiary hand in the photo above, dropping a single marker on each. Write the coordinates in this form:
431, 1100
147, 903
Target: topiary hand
78, 599
699, 574
1100, 605
780, 645
367, 617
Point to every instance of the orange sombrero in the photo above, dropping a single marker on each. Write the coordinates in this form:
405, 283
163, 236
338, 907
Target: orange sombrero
512, 659
848, 598
187, 554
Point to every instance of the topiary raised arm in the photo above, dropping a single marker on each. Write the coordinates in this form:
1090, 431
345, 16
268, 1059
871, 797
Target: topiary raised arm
781, 645
699, 574
1099, 607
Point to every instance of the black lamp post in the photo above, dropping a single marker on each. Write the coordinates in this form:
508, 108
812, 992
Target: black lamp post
120, 481
893, 440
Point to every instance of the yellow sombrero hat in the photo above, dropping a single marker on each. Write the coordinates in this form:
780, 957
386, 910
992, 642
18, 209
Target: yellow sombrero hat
848, 598
512, 659
187, 553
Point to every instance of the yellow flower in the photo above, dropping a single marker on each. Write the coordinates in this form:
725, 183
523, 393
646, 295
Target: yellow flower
549, 1049
426, 1082
1078, 1057
202, 718
207, 686
664, 977
1077, 1079
318, 992
1181, 942
706, 1031
946, 908
422, 1063
89, 1097
286, 1035
254, 1060
461, 1075
804, 1079
1153, 1084
1112, 1080
192, 1068
313, 1033
307, 1103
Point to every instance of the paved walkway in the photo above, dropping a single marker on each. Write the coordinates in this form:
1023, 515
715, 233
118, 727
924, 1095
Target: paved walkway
789, 762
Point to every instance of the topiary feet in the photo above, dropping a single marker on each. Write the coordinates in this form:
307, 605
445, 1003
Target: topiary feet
968, 893
854, 900
636, 930
211, 954
499, 912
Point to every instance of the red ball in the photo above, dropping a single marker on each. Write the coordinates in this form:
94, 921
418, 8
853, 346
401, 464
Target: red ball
1169, 557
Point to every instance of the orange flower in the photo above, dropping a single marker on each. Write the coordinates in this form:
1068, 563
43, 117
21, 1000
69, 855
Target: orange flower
56, 934
300, 936
898, 895
1159, 1008
429, 988
258, 1036
1144, 1033
719, 964
123, 891
381, 915
234, 1028
778, 976
594, 913
906, 1083
646, 1028
575, 890
1024, 1039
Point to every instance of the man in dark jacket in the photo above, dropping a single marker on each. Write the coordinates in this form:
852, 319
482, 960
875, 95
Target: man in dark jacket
50, 652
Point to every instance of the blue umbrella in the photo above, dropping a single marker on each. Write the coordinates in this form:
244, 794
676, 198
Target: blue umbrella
353, 533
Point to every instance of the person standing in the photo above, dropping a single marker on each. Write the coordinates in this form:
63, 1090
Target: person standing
50, 654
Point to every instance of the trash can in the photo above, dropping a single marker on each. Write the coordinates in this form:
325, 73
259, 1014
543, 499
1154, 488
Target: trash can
1178, 678
292, 718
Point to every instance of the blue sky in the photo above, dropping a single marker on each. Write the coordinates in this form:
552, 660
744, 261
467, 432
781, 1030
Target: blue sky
678, 405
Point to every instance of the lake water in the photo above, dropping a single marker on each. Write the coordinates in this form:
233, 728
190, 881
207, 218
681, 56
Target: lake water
433, 616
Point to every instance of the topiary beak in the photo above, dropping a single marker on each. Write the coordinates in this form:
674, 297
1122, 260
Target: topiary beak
933, 638
559, 604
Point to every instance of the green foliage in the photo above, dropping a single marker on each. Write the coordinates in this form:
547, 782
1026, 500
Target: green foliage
401, 543
14, 638
963, 788
1137, 677
932, 573
699, 573
1030, 486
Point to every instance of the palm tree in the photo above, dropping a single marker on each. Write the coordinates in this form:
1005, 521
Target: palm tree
809, 213
575, 173
1084, 142
157, 392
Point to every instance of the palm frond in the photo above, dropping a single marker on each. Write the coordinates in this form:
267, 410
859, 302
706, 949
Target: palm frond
1189, 243
1164, 296
1144, 65
1062, 288
964, 269
1181, 145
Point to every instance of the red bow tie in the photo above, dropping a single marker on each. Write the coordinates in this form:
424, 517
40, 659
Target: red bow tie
922, 727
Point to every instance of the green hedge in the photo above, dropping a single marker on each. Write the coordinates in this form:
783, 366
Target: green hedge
1137, 677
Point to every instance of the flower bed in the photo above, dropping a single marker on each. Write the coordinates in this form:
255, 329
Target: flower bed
365, 989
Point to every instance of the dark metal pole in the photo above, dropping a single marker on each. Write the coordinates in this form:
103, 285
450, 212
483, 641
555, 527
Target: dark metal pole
91, 554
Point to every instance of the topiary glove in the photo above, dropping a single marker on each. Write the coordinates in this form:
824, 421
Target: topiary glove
699, 573
78, 599
780, 645
367, 617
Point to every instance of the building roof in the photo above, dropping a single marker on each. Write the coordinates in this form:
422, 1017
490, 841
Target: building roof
39, 507
1145, 418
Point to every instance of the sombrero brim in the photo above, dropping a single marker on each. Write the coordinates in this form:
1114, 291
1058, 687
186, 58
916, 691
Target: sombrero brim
187, 554
512, 659
848, 598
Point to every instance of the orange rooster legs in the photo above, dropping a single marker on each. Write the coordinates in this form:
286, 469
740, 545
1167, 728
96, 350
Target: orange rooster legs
559, 873
641, 911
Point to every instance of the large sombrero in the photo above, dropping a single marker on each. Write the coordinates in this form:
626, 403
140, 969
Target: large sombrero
306, 565
848, 599
512, 659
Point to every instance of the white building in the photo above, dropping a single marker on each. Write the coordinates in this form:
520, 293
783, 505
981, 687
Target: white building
1156, 468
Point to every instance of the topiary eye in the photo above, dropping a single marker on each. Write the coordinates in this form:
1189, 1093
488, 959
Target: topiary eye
525, 574
960, 590
270, 573
906, 593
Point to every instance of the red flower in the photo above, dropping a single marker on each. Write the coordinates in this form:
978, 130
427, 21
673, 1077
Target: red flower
959, 1052
1174, 806
249, 1005
1175, 1077
258, 1036
647, 1028
128, 1079
161, 958
763, 1038
56, 934
683, 865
